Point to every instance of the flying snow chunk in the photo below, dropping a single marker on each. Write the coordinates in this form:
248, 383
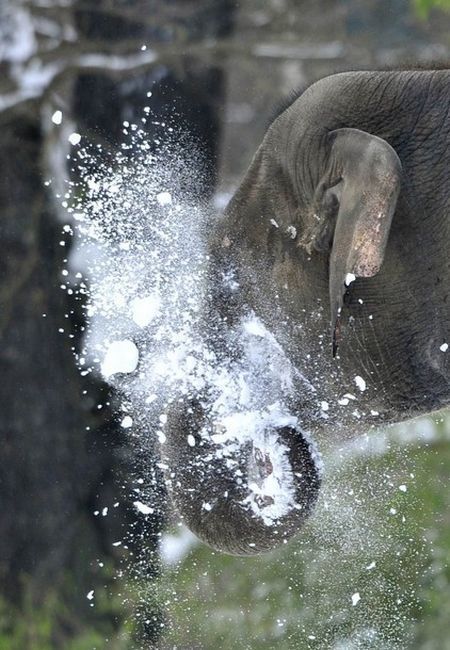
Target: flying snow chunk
164, 198
141, 507
90, 595
444, 347
355, 599
144, 310
127, 422
57, 117
74, 138
359, 381
121, 356
349, 278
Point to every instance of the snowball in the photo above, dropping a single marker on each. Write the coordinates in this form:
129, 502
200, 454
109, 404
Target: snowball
57, 117
444, 347
324, 406
402, 488
127, 422
121, 356
164, 198
349, 278
359, 381
191, 440
74, 138
144, 310
90, 594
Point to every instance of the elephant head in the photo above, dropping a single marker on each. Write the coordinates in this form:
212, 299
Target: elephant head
338, 231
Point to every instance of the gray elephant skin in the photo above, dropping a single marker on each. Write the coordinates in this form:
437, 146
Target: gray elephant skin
338, 240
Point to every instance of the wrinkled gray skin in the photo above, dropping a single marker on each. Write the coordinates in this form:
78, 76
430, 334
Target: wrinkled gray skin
352, 178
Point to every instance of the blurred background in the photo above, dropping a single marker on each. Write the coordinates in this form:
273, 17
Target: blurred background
372, 568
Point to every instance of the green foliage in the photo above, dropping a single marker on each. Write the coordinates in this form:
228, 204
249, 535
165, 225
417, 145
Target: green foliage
48, 623
423, 7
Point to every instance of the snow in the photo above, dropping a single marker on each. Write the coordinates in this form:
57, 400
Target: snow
57, 117
74, 138
443, 347
146, 260
355, 599
127, 422
142, 508
164, 198
121, 356
360, 382
173, 548
349, 278
144, 310
90, 594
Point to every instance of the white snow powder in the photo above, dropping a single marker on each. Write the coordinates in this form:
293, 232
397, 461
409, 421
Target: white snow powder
144, 310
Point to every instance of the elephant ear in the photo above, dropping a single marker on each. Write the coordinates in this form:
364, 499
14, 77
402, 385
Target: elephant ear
367, 173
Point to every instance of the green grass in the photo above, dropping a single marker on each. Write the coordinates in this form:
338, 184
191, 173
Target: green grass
300, 596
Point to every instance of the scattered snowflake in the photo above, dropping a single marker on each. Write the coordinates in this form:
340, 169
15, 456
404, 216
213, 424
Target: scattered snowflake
360, 382
74, 138
142, 508
355, 599
57, 117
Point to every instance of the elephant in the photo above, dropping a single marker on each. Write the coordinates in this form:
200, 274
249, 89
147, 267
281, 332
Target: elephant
333, 256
